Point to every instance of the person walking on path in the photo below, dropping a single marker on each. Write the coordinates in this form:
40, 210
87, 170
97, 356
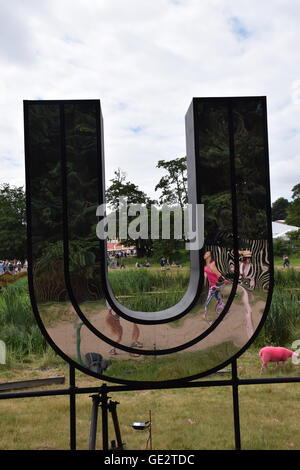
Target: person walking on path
112, 320
286, 261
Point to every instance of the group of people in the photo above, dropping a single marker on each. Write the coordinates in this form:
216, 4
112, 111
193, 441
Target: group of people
117, 259
146, 264
165, 263
12, 266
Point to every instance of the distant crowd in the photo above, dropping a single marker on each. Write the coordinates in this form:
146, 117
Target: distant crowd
116, 259
13, 266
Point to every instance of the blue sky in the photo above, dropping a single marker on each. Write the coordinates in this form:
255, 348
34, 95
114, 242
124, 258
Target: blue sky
145, 61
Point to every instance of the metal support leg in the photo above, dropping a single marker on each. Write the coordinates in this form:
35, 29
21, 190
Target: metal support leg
104, 407
101, 399
94, 422
72, 408
113, 411
236, 413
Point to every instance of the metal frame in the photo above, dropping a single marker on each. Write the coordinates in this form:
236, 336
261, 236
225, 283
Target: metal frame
189, 382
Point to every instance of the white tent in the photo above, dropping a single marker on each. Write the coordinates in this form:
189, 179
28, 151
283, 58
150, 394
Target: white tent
280, 229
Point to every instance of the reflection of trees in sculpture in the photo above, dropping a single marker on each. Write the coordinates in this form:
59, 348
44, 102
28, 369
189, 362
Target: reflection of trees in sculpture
46, 165
218, 214
215, 169
46, 190
45, 175
215, 177
250, 173
49, 280
82, 170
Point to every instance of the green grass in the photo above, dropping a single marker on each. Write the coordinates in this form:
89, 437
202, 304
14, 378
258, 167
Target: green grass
171, 366
182, 419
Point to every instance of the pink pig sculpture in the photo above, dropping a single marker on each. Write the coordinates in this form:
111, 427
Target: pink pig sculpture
275, 354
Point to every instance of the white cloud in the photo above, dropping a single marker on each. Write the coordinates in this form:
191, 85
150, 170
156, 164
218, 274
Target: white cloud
146, 61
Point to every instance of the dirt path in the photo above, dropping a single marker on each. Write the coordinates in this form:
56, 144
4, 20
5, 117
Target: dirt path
232, 328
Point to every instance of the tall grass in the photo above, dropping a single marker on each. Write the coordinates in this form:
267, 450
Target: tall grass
288, 278
149, 291
144, 280
18, 327
147, 302
283, 321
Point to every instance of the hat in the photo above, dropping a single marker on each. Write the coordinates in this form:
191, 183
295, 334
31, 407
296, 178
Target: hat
246, 253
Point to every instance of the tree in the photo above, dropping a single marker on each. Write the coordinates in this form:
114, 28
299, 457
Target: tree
281, 247
279, 209
294, 236
173, 185
12, 222
174, 192
120, 188
293, 212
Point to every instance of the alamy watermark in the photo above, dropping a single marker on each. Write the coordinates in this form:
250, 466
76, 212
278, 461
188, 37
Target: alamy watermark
139, 221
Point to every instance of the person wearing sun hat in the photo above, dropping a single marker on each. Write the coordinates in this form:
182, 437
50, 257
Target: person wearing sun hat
246, 267
247, 283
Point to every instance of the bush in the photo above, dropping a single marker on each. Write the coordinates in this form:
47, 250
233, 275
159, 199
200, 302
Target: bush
282, 247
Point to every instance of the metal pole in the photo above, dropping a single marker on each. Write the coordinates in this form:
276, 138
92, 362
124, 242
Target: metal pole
113, 410
72, 408
104, 407
236, 412
150, 429
94, 422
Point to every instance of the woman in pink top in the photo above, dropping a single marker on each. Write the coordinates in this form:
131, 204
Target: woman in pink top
214, 278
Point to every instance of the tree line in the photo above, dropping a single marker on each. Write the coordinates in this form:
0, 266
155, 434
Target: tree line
173, 187
172, 190
282, 209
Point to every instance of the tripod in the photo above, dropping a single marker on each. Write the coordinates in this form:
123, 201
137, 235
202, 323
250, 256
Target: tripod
101, 399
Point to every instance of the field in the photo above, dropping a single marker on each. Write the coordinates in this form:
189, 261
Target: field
187, 419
